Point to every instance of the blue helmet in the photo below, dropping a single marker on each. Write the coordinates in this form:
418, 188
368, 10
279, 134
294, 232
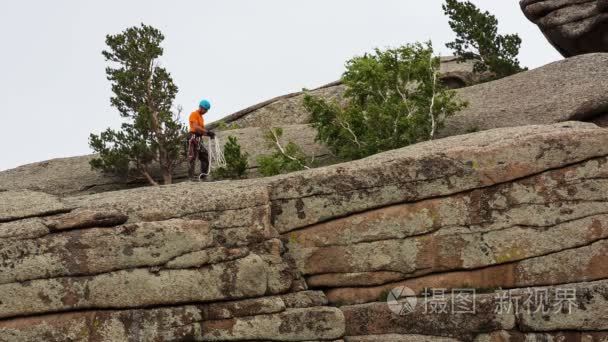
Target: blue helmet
205, 104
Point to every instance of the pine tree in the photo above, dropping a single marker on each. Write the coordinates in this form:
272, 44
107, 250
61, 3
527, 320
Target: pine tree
143, 95
477, 38
236, 160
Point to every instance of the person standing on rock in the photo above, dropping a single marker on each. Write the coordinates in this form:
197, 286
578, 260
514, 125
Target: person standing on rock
196, 149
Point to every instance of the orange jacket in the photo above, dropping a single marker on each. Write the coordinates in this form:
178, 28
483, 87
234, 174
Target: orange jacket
196, 118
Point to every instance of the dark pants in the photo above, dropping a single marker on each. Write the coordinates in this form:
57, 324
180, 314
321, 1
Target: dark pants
196, 150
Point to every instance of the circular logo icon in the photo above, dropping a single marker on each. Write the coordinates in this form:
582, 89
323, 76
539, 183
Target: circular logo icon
402, 300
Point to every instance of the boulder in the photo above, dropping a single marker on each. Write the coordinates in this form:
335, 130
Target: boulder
573, 27
571, 89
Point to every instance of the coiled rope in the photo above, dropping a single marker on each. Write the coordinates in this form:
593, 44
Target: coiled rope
216, 155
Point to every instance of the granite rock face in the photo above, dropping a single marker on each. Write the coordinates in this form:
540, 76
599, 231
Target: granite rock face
573, 27
51, 176
518, 217
573, 89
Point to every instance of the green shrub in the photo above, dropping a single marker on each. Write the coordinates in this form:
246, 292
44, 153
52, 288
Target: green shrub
394, 99
285, 159
236, 161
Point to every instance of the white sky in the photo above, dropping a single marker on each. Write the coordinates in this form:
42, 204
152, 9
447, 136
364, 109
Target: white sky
53, 90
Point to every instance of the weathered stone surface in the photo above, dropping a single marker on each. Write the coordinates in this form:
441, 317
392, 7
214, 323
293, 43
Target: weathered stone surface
431, 169
506, 208
247, 307
398, 338
569, 89
569, 266
378, 319
574, 27
282, 110
208, 256
85, 219
515, 336
21, 204
556, 210
74, 176
165, 324
353, 279
292, 325
60, 176
582, 307
224, 204
543, 200
304, 299
23, 229
243, 278
101, 250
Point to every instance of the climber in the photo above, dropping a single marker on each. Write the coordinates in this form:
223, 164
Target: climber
196, 149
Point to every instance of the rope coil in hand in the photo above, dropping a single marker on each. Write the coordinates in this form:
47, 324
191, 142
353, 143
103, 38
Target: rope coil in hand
216, 155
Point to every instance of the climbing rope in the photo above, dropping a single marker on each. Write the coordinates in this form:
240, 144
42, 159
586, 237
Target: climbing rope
216, 155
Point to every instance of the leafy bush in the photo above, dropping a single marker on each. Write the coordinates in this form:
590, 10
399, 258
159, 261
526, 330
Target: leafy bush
143, 94
394, 99
236, 161
477, 38
285, 159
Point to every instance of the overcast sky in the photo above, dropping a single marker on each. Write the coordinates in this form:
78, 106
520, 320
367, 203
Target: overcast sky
54, 93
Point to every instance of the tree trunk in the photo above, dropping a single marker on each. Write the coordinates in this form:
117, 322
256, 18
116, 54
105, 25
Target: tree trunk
167, 177
148, 177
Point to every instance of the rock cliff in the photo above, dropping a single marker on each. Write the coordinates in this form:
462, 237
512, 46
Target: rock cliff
316, 255
572, 89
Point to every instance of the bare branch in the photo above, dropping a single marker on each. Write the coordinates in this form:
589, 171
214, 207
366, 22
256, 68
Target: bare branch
347, 127
431, 113
282, 150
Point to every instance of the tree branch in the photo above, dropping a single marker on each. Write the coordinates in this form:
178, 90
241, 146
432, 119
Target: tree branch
282, 150
346, 126
431, 113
